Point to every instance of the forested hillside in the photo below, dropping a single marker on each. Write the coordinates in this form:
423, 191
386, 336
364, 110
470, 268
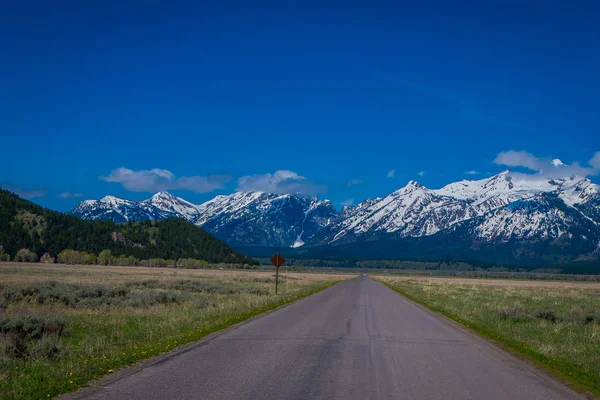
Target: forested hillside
24, 225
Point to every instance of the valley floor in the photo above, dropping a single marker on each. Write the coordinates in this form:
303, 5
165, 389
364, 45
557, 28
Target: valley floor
356, 340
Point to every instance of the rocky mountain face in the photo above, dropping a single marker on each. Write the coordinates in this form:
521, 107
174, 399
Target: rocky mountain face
513, 207
505, 208
257, 219
241, 219
120, 210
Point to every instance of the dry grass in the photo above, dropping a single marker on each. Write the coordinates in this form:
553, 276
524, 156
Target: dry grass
495, 282
36, 272
114, 316
555, 323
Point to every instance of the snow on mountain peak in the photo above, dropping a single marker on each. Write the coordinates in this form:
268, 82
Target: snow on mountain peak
254, 218
410, 187
414, 184
166, 202
113, 200
163, 195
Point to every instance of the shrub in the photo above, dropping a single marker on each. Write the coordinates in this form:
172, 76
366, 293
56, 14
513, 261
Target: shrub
148, 283
41, 333
147, 299
47, 347
25, 255
47, 259
547, 315
14, 346
258, 291
583, 316
202, 303
199, 286
191, 263
592, 316
69, 256
31, 327
68, 294
104, 258
515, 313
4, 256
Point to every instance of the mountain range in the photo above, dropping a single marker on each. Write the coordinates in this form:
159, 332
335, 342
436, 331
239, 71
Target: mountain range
524, 217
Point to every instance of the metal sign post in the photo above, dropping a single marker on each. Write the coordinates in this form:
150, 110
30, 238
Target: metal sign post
277, 260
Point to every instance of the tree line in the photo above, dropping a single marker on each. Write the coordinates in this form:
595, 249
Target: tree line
105, 257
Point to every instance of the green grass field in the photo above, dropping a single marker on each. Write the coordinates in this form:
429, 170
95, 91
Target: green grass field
62, 326
555, 324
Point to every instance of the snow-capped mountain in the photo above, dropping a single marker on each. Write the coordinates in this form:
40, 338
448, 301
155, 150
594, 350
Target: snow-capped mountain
541, 217
415, 211
508, 207
120, 210
166, 202
241, 219
258, 219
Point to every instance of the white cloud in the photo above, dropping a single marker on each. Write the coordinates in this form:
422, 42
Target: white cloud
281, 182
524, 159
421, 173
595, 161
547, 167
69, 195
156, 179
391, 174
472, 172
348, 202
25, 193
353, 182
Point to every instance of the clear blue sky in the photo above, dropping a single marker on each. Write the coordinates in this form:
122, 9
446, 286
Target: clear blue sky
334, 92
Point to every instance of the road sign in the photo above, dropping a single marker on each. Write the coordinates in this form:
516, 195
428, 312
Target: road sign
277, 260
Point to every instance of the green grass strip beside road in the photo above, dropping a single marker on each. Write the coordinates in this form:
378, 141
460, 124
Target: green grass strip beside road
573, 375
159, 348
39, 383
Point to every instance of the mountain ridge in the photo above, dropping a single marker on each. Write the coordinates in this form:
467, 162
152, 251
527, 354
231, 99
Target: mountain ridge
507, 207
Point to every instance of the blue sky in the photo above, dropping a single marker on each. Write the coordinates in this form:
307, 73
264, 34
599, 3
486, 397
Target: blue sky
201, 99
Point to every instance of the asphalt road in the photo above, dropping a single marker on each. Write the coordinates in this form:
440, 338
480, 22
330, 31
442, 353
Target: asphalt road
355, 340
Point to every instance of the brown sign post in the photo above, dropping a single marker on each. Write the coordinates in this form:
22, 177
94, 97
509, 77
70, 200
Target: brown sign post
277, 260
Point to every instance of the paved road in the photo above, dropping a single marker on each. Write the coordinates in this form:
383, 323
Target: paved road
356, 340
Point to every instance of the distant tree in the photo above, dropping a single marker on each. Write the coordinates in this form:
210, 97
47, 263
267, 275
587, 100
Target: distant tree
47, 258
84, 258
68, 256
25, 255
3, 255
105, 257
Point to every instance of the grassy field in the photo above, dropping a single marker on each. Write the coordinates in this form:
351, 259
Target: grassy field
62, 326
555, 324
